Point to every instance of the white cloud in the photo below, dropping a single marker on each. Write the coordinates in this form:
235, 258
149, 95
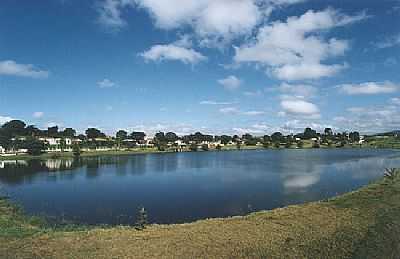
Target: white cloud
369, 88
230, 83
236, 111
371, 119
38, 114
4, 119
211, 20
173, 52
389, 42
11, 68
299, 90
306, 71
395, 100
253, 93
208, 102
106, 83
295, 49
253, 113
110, 12
299, 107
229, 110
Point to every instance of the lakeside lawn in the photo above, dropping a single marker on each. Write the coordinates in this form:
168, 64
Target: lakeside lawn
362, 224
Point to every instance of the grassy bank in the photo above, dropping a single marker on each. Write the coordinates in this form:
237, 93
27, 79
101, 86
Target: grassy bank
361, 224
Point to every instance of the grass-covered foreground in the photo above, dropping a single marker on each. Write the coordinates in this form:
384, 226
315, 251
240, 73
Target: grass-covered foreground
362, 224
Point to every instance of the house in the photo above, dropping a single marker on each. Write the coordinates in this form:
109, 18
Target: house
57, 144
2, 150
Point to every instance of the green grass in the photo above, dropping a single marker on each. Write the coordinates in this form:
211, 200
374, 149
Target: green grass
361, 224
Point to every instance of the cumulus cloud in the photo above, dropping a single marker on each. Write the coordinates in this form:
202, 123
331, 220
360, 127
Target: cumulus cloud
369, 88
230, 83
295, 49
299, 107
38, 114
106, 83
298, 90
371, 119
173, 51
210, 20
12, 68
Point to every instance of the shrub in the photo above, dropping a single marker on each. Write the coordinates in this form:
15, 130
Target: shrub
141, 222
391, 173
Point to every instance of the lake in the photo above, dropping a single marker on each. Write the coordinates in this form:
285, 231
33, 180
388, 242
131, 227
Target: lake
183, 187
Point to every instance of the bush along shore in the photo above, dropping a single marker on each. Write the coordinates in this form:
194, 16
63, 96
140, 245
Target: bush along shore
361, 224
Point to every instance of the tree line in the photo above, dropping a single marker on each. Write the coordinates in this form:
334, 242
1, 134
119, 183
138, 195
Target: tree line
17, 134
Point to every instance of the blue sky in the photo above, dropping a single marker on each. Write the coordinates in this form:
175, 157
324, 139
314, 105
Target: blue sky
218, 66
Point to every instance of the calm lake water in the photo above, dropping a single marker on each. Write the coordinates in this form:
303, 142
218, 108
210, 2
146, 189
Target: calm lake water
183, 187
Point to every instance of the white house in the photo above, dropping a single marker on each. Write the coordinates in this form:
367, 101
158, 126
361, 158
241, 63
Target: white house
54, 144
2, 150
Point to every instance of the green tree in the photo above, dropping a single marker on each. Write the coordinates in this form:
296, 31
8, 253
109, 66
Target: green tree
309, 133
171, 137
76, 149
277, 137
35, 147
138, 136
160, 137
93, 133
121, 135
31, 130
225, 139
14, 128
52, 131
354, 136
328, 132
69, 133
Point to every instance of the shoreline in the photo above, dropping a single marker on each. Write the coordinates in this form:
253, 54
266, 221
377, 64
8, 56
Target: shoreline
60, 155
350, 225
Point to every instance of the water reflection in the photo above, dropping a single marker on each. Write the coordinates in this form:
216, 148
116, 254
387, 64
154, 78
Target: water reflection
186, 186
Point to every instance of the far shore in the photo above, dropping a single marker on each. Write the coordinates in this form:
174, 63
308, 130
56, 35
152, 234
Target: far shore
141, 151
